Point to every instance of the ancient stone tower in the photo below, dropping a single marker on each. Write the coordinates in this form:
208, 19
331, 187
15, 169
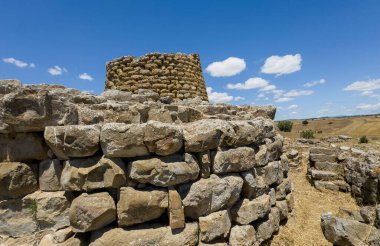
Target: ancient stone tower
176, 75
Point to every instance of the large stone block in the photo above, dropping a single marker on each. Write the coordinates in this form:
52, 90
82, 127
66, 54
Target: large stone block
258, 180
210, 195
206, 134
73, 141
163, 139
164, 171
51, 208
163, 236
89, 212
138, 206
266, 229
16, 180
93, 173
247, 211
244, 235
234, 160
17, 218
22, 147
215, 225
123, 140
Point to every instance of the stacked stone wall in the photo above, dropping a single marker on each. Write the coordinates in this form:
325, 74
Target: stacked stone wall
80, 169
176, 75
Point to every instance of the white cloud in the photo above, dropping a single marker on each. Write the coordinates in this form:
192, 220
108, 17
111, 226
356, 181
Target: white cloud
251, 83
314, 83
218, 97
85, 76
15, 62
268, 88
32, 65
369, 107
56, 70
284, 99
239, 98
368, 85
281, 65
261, 95
293, 106
229, 67
277, 93
294, 112
297, 93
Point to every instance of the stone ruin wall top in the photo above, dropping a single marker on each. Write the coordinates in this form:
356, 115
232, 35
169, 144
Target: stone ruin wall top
176, 75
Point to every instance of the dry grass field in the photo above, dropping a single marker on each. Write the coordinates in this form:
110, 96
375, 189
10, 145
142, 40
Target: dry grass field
351, 126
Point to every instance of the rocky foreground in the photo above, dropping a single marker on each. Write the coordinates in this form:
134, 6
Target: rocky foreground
137, 169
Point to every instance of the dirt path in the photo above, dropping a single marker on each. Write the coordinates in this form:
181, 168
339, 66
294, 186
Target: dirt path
303, 226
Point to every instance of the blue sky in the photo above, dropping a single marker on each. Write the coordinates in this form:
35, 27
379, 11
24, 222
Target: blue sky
267, 50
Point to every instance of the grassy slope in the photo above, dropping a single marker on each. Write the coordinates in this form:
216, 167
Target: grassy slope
351, 126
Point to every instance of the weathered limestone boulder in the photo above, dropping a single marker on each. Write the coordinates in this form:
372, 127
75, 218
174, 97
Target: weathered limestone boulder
123, 140
164, 171
348, 232
51, 208
189, 114
89, 212
93, 173
138, 206
64, 237
266, 229
323, 175
244, 235
22, 147
210, 195
176, 210
246, 132
73, 141
117, 95
162, 236
283, 189
215, 225
368, 213
206, 134
17, 218
247, 211
16, 180
50, 175
258, 180
234, 160
163, 139
275, 148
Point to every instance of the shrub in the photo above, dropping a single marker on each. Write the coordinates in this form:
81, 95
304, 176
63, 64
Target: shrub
32, 206
305, 122
319, 132
285, 126
307, 134
363, 139
330, 123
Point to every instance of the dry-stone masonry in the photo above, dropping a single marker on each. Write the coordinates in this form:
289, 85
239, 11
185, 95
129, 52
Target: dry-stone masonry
137, 169
178, 76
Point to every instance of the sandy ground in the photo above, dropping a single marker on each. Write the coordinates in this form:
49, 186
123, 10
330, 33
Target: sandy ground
303, 226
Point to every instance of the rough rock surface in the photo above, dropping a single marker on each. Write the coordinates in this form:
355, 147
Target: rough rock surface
89, 212
215, 225
234, 160
138, 206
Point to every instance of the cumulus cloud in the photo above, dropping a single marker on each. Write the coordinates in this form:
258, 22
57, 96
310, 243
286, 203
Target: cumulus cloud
17, 63
281, 65
218, 97
85, 76
268, 88
293, 106
284, 99
314, 83
57, 70
368, 85
229, 67
239, 98
252, 83
297, 93
369, 107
